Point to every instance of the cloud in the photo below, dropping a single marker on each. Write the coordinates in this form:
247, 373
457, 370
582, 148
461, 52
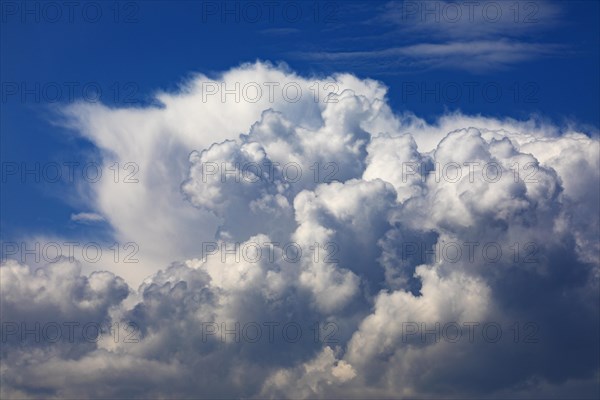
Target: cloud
473, 56
408, 259
408, 36
87, 217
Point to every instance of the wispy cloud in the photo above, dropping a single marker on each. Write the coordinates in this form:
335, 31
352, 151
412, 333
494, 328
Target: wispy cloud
85, 217
474, 56
417, 35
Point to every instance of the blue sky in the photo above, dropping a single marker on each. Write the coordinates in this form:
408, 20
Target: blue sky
155, 46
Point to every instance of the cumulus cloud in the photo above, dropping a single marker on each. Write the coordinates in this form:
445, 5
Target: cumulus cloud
323, 247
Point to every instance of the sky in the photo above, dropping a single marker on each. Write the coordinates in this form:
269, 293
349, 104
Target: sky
543, 64
150, 149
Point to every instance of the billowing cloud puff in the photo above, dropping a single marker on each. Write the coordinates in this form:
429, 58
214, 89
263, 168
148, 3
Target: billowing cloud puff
322, 246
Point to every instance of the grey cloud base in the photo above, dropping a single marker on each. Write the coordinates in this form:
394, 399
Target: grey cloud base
367, 300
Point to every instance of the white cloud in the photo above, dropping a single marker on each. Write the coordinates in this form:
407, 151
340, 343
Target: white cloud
477, 37
474, 55
87, 217
356, 276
